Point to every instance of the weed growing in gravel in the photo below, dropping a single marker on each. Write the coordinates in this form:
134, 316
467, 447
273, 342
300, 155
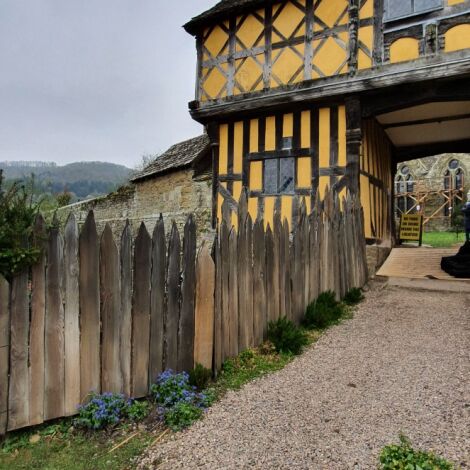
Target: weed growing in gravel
286, 336
353, 296
324, 311
404, 457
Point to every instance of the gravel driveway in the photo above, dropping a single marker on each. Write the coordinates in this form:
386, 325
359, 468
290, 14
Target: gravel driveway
401, 364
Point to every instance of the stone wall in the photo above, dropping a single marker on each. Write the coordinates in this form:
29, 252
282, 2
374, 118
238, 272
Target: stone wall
174, 195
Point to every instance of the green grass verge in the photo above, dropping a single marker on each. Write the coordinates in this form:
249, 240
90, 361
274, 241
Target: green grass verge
442, 239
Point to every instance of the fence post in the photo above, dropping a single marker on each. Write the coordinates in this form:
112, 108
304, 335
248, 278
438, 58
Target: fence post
4, 351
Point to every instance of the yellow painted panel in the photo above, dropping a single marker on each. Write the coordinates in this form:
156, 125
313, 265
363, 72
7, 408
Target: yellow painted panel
215, 82
324, 149
363, 60
454, 2
249, 32
253, 207
270, 141
324, 181
269, 211
287, 62
237, 190
308, 204
404, 49
305, 129
216, 43
288, 126
254, 147
457, 38
342, 136
289, 19
367, 10
238, 147
332, 12
286, 209
223, 149
256, 176
329, 56
304, 172
249, 74
220, 201
365, 201
366, 37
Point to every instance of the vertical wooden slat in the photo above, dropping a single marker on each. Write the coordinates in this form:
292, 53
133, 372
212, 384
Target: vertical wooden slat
269, 270
89, 308
218, 306
72, 317
188, 290
230, 265
279, 234
36, 337
4, 351
54, 381
306, 258
287, 277
157, 300
174, 297
243, 327
141, 314
259, 282
126, 309
110, 289
18, 406
204, 314
276, 263
227, 307
249, 282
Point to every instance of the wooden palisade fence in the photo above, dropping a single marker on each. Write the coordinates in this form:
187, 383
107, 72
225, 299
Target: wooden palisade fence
94, 316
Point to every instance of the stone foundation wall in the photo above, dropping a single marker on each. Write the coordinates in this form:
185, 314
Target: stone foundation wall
376, 256
173, 195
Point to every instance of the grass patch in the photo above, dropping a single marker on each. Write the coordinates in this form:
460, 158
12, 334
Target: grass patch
59, 446
442, 239
403, 457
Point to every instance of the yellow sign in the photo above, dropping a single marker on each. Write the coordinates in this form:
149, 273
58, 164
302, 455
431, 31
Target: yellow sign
411, 226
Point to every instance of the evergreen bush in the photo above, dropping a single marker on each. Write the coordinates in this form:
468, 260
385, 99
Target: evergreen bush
286, 336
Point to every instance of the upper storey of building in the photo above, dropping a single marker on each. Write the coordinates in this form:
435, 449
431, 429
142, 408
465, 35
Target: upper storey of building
261, 53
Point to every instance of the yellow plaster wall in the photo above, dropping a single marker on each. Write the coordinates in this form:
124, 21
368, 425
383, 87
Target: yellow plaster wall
457, 38
404, 49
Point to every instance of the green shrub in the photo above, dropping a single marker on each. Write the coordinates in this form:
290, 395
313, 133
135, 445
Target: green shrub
353, 296
182, 415
323, 311
138, 410
404, 457
199, 377
286, 336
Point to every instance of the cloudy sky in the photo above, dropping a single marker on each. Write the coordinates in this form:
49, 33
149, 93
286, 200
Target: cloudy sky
95, 79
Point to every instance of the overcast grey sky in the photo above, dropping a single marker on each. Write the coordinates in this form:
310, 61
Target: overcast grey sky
95, 79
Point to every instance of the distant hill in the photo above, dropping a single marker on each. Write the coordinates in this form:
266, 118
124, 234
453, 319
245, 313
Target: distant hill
83, 179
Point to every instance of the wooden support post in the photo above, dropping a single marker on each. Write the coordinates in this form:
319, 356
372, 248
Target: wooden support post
353, 142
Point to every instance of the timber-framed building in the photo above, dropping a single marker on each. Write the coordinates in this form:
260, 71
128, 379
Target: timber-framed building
301, 95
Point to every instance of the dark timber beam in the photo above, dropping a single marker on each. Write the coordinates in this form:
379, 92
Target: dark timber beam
353, 142
402, 154
419, 122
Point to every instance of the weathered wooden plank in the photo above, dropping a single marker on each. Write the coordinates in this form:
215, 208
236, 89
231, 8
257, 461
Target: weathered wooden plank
276, 264
36, 336
305, 257
4, 351
230, 266
287, 277
126, 309
218, 347
269, 262
188, 290
279, 235
141, 313
89, 308
174, 299
110, 289
71, 317
243, 327
204, 315
259, 283
249, 282
54, 345
157, 300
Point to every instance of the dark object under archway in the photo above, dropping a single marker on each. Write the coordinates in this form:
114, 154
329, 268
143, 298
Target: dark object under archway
458, 265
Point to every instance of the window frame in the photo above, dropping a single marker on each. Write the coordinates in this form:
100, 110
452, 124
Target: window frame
387, 19
278, 191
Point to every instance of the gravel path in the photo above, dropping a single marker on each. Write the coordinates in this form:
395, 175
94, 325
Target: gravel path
401, 364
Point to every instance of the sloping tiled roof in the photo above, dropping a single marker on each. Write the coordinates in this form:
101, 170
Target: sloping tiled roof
178, 156
219, 11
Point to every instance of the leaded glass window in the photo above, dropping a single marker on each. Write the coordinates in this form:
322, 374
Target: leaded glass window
279, 175
395, 9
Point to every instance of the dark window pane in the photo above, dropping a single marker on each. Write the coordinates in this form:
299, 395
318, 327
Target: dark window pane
398, 8
287, 142
405, 170
425, 5
454, 164
270, 176
287, 173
